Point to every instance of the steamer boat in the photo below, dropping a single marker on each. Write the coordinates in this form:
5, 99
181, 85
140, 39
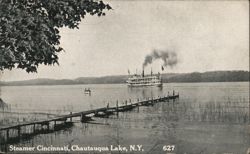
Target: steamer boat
144, 80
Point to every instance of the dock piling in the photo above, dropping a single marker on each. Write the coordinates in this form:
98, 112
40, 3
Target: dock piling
7, 134
70, 117
82, 117
34, 128
117, 107
47, 126
19, 131
54, 124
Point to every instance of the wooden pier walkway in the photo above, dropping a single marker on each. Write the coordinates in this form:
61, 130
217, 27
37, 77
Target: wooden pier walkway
84, 115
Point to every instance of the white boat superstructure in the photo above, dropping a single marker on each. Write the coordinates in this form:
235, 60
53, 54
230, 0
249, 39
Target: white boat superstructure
144, 80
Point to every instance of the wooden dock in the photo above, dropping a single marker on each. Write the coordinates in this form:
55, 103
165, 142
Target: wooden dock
85, 116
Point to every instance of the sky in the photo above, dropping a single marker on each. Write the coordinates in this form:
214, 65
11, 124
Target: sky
205, 35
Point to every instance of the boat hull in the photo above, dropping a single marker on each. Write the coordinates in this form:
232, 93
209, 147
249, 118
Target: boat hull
145, 85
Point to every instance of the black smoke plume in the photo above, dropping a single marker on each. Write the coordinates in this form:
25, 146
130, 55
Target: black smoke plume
169, 58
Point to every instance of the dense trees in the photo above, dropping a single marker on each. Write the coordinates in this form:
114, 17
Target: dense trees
29, 32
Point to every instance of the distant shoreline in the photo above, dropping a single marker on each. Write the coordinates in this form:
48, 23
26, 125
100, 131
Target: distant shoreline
195, 77
12, 85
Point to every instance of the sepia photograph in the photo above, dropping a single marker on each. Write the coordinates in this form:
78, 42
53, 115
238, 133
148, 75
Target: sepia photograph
124, 76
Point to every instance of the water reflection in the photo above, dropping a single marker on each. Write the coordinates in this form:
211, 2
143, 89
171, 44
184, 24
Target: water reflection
146, 91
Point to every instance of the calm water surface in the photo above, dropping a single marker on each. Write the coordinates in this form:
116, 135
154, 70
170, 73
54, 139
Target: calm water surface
207, 118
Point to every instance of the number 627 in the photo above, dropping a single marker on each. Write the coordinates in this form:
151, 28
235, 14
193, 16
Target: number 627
168, 148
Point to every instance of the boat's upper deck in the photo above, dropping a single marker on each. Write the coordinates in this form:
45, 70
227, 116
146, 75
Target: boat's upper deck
145, 78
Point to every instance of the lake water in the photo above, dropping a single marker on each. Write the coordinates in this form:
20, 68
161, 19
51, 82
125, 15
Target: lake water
207, 118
